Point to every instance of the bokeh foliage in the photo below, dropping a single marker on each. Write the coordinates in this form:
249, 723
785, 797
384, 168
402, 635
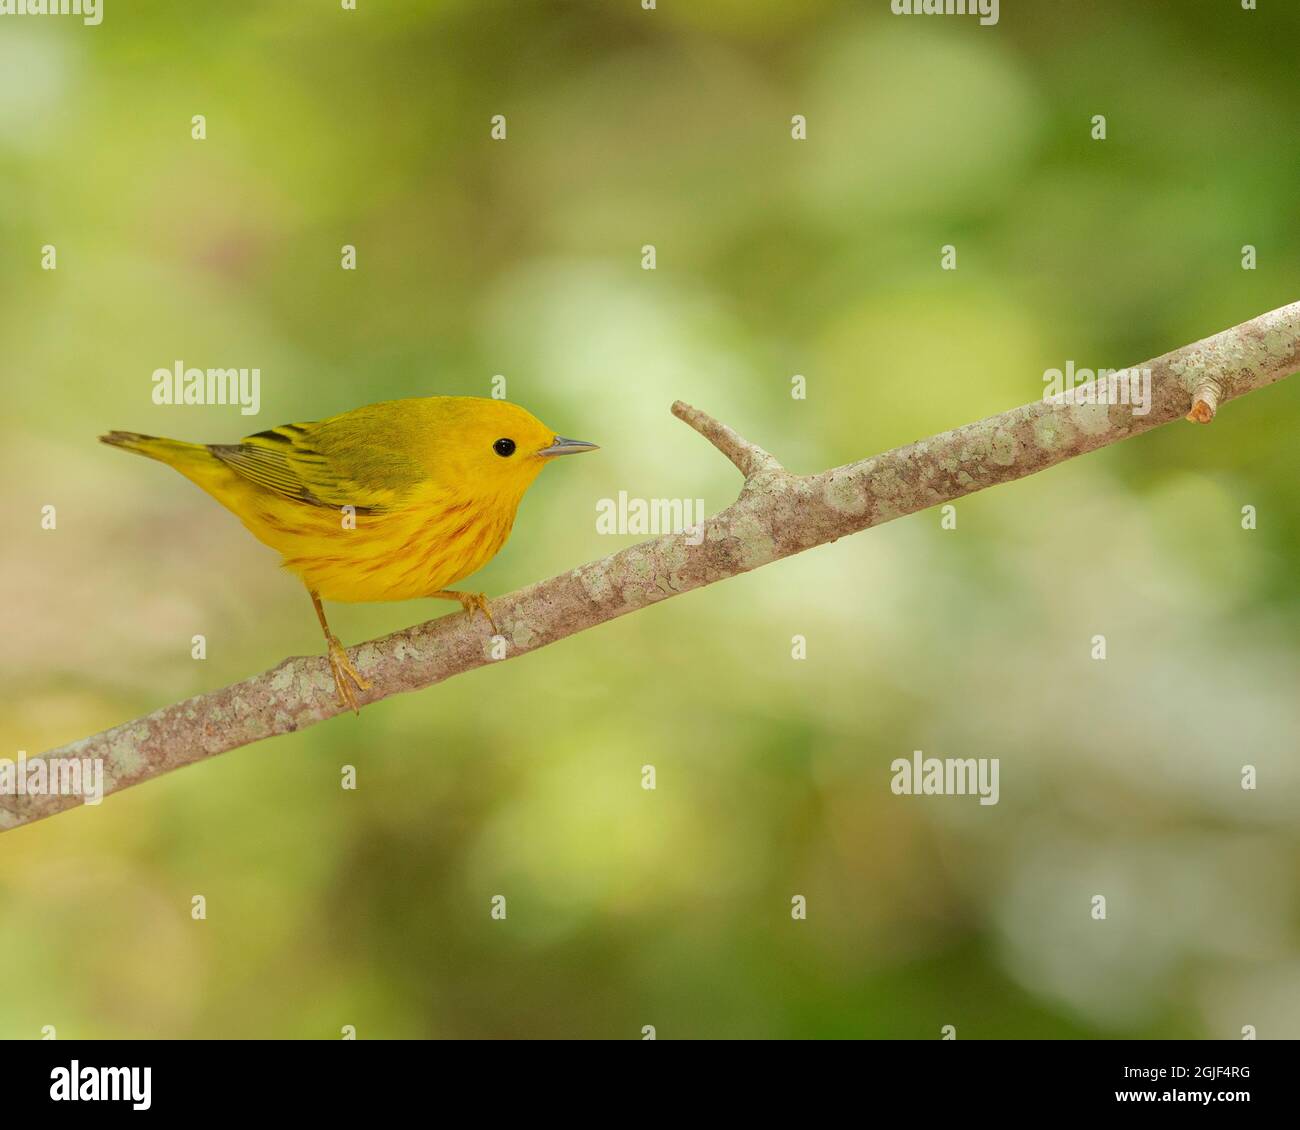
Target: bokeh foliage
522, 258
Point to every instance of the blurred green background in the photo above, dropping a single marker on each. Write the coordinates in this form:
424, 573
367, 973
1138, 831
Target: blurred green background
523, 258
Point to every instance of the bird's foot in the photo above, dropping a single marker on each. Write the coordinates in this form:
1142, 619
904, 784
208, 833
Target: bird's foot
477, 602
471, 602
345, 674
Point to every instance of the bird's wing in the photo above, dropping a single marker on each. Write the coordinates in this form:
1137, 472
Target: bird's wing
350, 460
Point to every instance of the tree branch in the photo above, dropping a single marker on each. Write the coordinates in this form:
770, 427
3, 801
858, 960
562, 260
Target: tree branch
776, 515
749, 458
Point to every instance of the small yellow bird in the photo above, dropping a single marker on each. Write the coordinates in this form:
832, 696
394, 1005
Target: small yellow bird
387, 502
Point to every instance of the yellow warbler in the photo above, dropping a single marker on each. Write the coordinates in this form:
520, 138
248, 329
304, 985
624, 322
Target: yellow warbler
387, 502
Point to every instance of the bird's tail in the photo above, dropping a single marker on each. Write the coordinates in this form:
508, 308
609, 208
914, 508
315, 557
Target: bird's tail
173, 452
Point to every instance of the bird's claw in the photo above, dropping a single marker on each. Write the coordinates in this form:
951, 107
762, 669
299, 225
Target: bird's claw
343, 671
477, 602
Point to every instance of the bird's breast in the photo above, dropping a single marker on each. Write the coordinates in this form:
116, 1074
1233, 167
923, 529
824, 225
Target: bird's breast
406, 553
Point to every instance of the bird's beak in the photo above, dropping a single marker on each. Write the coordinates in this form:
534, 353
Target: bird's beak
562, 446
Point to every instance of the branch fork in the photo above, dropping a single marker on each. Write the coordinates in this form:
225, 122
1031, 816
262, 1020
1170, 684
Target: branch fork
749, 459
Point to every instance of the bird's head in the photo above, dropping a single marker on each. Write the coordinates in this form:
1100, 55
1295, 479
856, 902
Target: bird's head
496, 447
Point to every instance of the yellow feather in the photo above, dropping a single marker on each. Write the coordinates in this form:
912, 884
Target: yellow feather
387, 502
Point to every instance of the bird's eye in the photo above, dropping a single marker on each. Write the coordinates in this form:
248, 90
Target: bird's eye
504, 447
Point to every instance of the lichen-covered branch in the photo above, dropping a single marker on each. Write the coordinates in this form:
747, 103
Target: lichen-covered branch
777, 514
